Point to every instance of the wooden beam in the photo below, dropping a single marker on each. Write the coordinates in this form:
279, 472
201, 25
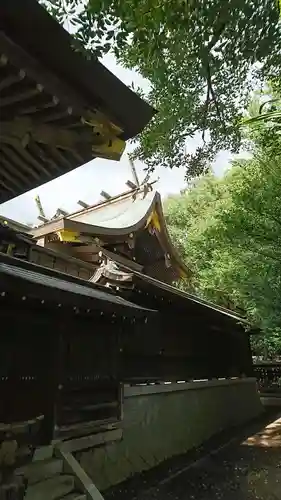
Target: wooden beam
22, 154
7, 188
60, 211
83, 204
87, 249
29, 160
105, 195
34, 108
87, 442
11, 79
84, 482
68, 97
11, 161
60, 158
39, 150
58, 115
48, 134
131, 185
5, 171
17, 56
89, 257
37, 153
43, 219
3, 60
21, 96
119, 259
134, 172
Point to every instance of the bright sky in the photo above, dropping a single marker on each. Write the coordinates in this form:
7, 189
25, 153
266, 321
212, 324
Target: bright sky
86, 182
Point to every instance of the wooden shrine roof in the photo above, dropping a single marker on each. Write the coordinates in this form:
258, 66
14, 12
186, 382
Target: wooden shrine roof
35, 282
154, 286
144, 285
17, 226
58, 110
146, 292
118, 216
128, 214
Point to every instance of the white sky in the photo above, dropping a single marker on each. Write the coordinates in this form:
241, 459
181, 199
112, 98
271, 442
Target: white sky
86, 182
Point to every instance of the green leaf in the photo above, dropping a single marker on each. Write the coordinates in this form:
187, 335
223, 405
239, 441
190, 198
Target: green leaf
106, 47
110, 34
183, 48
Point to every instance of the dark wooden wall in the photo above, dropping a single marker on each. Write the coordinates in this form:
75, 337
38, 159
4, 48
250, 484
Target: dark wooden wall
57, 364
169, 350
65, 354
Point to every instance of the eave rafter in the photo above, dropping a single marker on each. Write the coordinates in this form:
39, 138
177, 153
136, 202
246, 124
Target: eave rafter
46, 129
131, 225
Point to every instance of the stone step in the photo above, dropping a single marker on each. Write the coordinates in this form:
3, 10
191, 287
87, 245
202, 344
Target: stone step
41, 470
74, 496
43, 452
54, 488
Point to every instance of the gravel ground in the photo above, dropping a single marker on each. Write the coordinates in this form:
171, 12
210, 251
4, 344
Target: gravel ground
248, 469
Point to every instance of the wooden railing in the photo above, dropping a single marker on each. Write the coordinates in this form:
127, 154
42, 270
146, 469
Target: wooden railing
268, 377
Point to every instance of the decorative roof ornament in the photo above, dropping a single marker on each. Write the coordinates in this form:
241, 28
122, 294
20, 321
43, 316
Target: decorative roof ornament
111, 273
111, 224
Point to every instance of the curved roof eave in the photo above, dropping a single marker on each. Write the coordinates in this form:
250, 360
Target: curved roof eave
67, 223
43, 280
98, 85
170, 289
172, 250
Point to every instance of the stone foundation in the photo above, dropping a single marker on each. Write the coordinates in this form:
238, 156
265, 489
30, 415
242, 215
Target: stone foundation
161, 421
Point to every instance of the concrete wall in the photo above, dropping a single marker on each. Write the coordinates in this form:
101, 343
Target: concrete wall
164, 420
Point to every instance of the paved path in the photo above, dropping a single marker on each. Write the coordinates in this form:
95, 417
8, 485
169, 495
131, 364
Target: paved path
249, 470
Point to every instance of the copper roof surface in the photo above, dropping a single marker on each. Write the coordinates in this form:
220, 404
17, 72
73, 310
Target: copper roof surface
126, 213
46, 280
121, 216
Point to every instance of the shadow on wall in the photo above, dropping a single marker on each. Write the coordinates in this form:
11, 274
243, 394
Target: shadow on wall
247, 469
161, 422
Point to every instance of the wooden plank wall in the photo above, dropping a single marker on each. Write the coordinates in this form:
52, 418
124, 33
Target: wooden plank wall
69, 367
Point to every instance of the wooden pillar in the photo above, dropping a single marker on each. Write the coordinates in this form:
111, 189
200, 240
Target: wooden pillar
52, 378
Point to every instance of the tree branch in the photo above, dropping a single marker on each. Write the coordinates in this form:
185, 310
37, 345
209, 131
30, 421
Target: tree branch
217, 35
213, 95
206, 106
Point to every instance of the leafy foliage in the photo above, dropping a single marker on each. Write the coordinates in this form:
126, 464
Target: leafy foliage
201, 57
229, 229
229, 232
263, 124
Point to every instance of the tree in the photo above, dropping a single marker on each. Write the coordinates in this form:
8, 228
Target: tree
263, 123
202, 58
229, 230
229, 234
190, 216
